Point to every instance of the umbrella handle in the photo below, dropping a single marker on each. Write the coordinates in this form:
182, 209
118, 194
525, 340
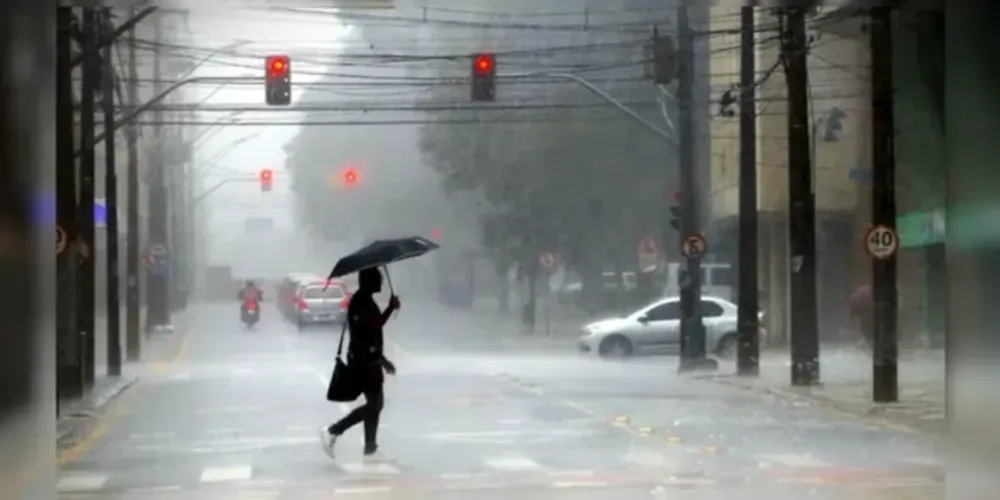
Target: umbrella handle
388, 280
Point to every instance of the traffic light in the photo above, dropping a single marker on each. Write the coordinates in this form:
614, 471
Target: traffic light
350, 177
675, 212
436, 234
663, 59
266, 180
484, 72
278, 80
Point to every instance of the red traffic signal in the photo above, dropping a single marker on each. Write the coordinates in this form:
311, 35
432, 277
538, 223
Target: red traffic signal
435, 234
266, 178
277, 66
484, 63
350, 177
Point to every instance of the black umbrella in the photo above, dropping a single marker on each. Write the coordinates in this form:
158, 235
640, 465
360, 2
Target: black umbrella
380, 253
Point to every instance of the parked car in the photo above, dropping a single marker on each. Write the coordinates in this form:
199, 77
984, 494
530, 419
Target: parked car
287, 301
656, 328
321, 302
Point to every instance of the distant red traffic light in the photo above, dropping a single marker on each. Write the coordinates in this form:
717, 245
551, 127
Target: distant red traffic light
266, 178
278, 65
435, 234
350, 176
485, 63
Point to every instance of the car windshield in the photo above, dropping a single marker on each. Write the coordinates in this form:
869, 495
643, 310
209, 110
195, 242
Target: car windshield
317, 292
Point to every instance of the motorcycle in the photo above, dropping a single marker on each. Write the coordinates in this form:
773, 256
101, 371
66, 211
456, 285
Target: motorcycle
250, 314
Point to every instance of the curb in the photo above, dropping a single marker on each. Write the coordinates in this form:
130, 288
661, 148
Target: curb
81, 416
905, 425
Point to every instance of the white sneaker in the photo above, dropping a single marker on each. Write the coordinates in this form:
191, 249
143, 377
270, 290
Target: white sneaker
328, 441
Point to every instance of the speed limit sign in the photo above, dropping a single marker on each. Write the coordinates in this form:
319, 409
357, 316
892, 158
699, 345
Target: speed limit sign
881, 242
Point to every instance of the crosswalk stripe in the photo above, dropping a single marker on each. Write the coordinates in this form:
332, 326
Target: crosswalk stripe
221, 474
512, 463
369, 468
81, 483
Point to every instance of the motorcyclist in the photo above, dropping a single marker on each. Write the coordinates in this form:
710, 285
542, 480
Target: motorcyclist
250, 295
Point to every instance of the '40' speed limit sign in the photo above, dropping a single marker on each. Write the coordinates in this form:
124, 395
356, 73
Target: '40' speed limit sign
881, 242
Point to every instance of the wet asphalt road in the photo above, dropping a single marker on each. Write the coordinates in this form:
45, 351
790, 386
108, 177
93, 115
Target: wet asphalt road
236, 416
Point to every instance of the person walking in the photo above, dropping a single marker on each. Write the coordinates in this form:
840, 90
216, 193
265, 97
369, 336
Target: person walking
366, 361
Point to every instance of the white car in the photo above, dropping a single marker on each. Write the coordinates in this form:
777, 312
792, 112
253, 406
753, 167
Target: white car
656, 328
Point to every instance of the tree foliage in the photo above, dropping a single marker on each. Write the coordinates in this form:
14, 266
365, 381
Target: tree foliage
571, 181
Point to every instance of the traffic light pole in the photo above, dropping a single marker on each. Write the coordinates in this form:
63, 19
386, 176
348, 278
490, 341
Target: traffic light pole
692, 348
85, 215
158, 282
133, 316
113, 298
801, 203
748, 328
69, 376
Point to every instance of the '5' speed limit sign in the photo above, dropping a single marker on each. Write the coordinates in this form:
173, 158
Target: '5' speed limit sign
881, 242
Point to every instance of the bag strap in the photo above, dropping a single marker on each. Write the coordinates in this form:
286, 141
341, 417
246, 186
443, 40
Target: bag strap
340, 345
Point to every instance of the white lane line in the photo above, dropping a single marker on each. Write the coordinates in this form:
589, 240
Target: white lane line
510, 421
369, 468
154, 489
580, 484
150, 436
462, 476
230, 409
179, 376
512, 463
222, 474
81, 483
792, 460
361, 490
570, 473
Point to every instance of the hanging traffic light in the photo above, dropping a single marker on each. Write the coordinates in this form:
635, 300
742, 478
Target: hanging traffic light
350, 177
484, 72
266, 180
278, 80
436, 234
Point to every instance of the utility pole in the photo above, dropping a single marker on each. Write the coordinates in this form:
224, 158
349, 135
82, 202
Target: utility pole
111, 201
692, 329
748, 328
885, 383
85, 215
69, 378
801, 203
158, 281
133, 340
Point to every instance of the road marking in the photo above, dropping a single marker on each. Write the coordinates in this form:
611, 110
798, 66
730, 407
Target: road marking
570, 473
369, 468
580, 484
462, 476
650, 458
792, 460
240, 371
222, 474
361, 490
81, 484
140, 436
179, 377
510, 421
230, 409
512, 463
223, 431
155, 489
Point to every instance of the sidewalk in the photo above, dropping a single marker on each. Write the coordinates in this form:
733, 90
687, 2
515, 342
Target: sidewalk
76, 416
845, 375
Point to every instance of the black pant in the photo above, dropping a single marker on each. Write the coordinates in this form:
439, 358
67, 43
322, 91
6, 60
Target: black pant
367, 413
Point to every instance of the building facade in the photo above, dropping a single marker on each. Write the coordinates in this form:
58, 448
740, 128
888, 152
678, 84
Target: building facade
840, 117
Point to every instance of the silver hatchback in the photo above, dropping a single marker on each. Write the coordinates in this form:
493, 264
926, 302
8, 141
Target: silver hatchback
319, 306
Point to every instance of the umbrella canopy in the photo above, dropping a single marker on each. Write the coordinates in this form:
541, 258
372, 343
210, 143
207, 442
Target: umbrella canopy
380, 253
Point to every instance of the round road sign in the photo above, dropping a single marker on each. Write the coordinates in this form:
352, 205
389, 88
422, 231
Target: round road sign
881, 241
158, 250
547, 260
61, 240
694, 246
647, 246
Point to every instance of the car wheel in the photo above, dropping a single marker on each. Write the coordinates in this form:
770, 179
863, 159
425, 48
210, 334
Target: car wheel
727, 346
615, 346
